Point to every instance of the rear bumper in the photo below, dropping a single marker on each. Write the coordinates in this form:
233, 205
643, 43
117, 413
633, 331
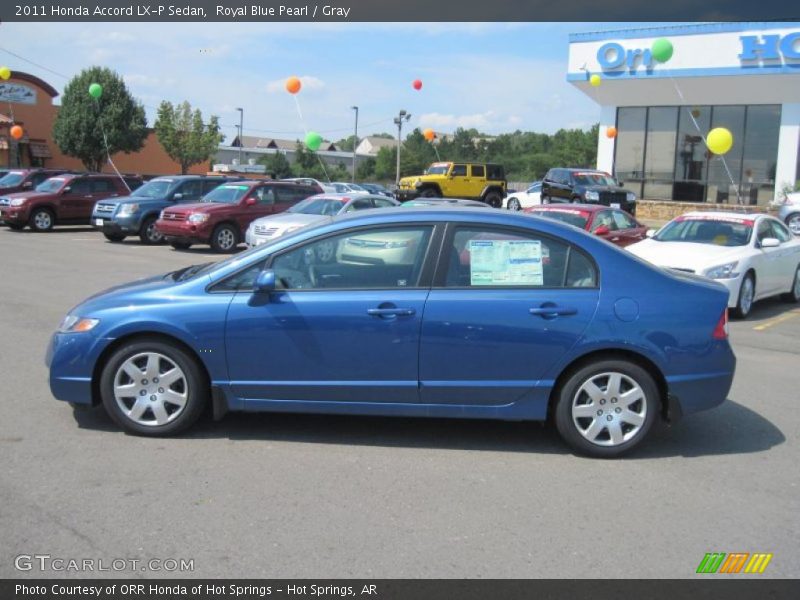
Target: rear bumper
702, 391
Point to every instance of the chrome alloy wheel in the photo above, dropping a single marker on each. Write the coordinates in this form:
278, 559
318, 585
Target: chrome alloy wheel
153, 235
43, 220
226, 239
746, 295
150, 389
609, 409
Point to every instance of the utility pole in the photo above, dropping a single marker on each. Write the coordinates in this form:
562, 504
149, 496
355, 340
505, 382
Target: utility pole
241, 132
403, 115
355, 143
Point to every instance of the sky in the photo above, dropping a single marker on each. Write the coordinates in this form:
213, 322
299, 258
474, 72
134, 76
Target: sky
496, 77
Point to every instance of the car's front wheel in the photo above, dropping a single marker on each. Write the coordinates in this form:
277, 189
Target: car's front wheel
225, 238
747, 292
513, 204
114, 237
153, 387
429, 193
606, 408
42, 219
181, 245
148, 234
793, 223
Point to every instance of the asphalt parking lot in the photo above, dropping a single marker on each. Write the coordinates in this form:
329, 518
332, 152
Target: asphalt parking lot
315, 496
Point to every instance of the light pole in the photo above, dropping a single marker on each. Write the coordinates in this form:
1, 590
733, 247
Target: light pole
355, 143
241, 130
398, 120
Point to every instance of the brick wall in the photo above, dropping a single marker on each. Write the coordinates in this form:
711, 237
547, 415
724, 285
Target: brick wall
664, 210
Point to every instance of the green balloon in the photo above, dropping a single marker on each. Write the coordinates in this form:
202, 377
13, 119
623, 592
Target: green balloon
661, 50
313, 141
95, 90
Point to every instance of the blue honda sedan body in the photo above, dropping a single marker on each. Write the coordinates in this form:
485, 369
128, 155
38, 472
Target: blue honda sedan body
428, 312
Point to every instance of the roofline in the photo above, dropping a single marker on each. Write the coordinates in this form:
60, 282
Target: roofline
676, 30
22, 76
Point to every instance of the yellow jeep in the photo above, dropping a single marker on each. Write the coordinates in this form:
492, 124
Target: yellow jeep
472, 181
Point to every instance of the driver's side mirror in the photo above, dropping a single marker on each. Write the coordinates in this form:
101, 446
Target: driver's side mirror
650, 233
27, 184
602, 230
177, 196
250, 202
265, 282
770, 242
66, 190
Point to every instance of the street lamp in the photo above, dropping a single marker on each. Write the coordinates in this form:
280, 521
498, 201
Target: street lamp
239, 136
241, 130
398, 120
355, 143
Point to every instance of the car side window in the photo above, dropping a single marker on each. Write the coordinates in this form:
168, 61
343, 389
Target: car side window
604, 218
210, 184
764, 230
79, 186
359, 204
292, 195
192, 189
478, 171
381, 203
377, 258
484, 257
535, 188
458, 171
265, 195
102, 185
780, 231
623, 221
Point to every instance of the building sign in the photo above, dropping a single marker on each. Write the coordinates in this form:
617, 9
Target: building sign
613, 56
17, 93
770, 47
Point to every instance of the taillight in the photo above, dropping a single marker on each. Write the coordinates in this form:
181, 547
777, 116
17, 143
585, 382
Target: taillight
721, 330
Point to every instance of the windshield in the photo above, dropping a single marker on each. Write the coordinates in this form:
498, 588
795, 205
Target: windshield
595, 179
437, 170
578, 218
50, 185
706, 230
158, 188
356, 187
227, 194
318, 206
12, 178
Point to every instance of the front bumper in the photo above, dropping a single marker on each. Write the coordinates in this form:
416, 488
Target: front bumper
733, 286
71, 358
183, 231
127, 225
17, 215
403, 194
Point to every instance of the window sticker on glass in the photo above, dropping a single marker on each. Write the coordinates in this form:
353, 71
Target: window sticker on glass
506, 262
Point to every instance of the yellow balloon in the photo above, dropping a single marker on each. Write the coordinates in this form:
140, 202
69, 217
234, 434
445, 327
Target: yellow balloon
5, 73
719, 140
595, 80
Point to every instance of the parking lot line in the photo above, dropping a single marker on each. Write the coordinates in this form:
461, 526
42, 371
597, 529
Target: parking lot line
776, 320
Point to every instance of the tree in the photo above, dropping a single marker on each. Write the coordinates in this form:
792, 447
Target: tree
91, 129
366, 169
346, 144
385, 164
276, 164
183, 135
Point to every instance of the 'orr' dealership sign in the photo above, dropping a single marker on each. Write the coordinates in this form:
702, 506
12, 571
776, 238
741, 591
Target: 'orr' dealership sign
771, 47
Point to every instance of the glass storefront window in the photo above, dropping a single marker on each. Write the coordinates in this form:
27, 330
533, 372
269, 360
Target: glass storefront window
760, 153
691, 161
724, 172
629, 157
659, 169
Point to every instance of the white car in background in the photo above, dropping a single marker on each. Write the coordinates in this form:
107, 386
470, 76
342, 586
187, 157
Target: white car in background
341, 187
326, 187
754, 255
530, 197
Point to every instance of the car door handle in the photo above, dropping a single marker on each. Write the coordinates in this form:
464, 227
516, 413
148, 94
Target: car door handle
553, 311
615, 239
391, 312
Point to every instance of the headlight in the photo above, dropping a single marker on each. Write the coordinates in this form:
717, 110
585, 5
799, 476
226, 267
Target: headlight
198, 218
726, 271
18, 201
128, 209
631, 197
590, 195
75, 324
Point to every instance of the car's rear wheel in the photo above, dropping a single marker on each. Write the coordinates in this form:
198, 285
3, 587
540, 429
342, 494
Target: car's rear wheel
153, 387
225, 238
42, 219
114, 237
747, 292
148, 233
793, 223
513, 204
793, 295
493, 199
181, 245
430, 193
607, 408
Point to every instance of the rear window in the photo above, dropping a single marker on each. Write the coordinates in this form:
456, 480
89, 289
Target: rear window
578, 218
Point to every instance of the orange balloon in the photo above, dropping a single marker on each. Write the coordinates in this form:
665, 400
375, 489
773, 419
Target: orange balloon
16, 132
293, 84
611, 132
429, 134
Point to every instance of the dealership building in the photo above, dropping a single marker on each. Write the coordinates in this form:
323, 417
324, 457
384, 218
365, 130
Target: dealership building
744, 77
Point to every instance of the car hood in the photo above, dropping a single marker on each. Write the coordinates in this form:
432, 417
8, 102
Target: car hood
288, 219
135, 200
27, 195
203, 207
685, 255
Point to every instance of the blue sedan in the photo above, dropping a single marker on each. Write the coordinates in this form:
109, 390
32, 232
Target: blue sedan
428, 312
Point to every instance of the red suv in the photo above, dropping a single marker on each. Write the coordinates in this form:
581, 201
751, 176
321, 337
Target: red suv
223, 215
23, 180
64, 199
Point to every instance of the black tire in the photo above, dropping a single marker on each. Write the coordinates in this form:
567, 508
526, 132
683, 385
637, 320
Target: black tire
793, 296
42, 220
196, 387
513, 204
148, 234
15, 226
114, 237
430, 193
181, 245
493, 199
225, 238
609, 408
743, 307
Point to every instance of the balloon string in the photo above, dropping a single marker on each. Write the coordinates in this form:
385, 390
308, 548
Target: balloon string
703, 137
108, 151
305, 130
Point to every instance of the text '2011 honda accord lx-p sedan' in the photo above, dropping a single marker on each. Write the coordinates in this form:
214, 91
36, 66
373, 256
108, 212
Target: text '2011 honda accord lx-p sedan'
427, 312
